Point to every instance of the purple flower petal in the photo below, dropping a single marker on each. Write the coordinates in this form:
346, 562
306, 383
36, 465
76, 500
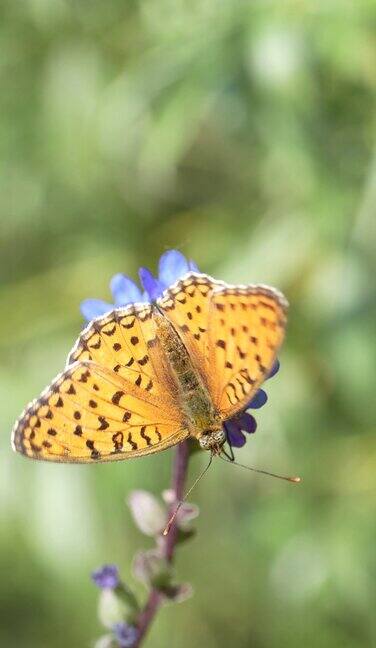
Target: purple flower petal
107, 577
124, 290
152, 286
91, 308
235, 436
172, 265
274, 369
193, 266
125, 634
258, 400
247, 422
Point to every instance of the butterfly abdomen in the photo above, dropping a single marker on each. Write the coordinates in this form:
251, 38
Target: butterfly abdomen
195, 399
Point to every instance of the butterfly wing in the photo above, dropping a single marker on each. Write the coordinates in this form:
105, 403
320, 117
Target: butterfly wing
232, 333
246, 329
187, 305
125, 340
115, 399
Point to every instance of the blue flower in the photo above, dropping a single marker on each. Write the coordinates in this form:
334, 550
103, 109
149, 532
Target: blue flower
246, 422
172, 266
126, 635
106, 577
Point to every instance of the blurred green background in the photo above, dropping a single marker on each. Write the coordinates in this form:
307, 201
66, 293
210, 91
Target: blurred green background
243, 134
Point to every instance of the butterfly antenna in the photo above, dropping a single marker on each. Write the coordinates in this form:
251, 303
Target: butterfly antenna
173, 516
293, 480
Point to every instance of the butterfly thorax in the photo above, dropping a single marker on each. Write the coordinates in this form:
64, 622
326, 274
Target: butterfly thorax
202, 418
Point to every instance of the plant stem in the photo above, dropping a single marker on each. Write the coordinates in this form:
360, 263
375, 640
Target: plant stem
154, 601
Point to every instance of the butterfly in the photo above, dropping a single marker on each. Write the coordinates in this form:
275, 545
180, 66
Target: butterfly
145, 377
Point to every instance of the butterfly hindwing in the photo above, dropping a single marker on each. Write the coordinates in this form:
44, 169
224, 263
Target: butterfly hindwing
232, 334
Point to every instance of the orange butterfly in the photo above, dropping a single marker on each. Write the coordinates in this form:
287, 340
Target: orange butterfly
144, 377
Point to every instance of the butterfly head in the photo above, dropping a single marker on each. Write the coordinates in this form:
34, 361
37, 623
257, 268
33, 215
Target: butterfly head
212, 440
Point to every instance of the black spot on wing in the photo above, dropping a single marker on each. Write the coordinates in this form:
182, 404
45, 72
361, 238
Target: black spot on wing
116, 397
145, 436
95, 454
131, 442
103, 423
110, 331
118, 440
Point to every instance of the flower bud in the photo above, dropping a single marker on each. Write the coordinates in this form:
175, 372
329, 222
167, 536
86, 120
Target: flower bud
111, 608
151, 569
186, 513
148, 514
106, 641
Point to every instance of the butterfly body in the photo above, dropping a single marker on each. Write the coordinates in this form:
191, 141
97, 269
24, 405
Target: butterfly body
201, 416
147, 376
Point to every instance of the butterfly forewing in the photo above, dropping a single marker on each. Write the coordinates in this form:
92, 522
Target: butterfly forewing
125, 340
232, 334
187, 305
246, 329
